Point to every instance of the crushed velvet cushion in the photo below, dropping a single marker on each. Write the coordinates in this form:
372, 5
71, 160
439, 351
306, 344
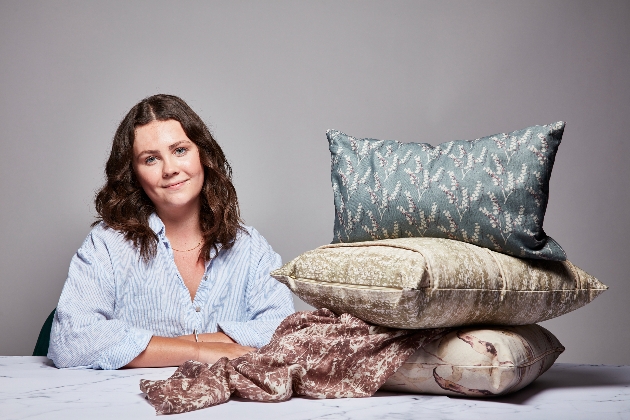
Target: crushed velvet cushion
491, 192
432, 282
480, 362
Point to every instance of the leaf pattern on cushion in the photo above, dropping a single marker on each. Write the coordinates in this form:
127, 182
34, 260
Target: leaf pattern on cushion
491, 191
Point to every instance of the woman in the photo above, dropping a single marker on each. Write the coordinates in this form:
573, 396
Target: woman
168, 273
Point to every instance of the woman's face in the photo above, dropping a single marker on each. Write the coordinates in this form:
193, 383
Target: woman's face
167, 165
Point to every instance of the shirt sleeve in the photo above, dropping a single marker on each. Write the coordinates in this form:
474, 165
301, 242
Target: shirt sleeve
268, 300
84, 333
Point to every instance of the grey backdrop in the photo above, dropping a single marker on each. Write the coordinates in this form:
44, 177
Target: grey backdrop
270, 78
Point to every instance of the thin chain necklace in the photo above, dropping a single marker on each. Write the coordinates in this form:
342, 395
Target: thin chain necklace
195, 247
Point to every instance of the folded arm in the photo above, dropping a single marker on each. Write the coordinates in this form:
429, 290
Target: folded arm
87, 332
165, 351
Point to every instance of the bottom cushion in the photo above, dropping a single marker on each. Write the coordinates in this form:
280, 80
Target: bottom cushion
481, 362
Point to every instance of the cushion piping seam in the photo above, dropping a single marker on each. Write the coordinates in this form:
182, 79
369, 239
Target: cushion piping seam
523, 365
349, 285
503, 279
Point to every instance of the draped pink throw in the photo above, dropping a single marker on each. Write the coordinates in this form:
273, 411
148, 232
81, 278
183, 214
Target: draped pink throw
313, 354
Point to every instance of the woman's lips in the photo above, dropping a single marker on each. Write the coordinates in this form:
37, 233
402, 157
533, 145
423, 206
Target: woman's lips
175, 185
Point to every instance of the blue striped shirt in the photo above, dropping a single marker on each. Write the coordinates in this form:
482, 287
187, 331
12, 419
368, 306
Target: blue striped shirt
113, 303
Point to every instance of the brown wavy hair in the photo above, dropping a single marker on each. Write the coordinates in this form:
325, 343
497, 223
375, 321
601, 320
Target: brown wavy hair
122, 203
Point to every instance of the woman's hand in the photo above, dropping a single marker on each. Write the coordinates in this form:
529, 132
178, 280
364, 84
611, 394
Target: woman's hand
213, 346
211, 352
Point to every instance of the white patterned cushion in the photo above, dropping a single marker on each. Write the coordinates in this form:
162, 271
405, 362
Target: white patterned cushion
480, 362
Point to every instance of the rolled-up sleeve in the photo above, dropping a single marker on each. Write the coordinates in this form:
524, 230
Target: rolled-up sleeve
268, 301
84, 332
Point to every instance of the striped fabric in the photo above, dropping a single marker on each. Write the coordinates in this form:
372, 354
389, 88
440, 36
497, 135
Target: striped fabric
112, 303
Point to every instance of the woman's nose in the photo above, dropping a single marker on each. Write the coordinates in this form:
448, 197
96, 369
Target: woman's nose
169, 167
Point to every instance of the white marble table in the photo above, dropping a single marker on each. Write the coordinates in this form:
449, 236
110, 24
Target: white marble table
32, 388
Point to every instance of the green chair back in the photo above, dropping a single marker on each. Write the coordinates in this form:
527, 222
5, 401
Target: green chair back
41, 348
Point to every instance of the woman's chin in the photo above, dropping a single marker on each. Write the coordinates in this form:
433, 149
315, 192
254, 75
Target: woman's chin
177, 206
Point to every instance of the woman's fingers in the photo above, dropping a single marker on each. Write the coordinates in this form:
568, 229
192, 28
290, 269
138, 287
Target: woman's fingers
211, 352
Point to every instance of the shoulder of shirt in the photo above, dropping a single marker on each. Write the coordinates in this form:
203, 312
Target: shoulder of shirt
252, 242
101, 229
101, 233
251, 238
249, 233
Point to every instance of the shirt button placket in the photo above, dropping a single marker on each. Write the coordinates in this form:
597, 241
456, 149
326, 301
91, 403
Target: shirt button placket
198, 320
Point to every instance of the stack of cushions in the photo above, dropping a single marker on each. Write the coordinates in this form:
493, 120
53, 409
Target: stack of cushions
448, 236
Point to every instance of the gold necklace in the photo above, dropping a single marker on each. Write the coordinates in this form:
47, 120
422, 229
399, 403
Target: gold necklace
196, 246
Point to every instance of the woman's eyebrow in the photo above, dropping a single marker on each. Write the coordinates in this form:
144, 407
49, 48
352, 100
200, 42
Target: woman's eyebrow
174, 145
148, 152
171, 147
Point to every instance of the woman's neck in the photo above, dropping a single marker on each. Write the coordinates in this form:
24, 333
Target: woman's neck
182, 229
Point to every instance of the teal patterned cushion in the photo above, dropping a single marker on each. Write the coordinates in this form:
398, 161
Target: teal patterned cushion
491, 192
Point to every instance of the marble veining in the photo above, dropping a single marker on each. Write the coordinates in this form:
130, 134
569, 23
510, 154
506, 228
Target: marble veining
32, 388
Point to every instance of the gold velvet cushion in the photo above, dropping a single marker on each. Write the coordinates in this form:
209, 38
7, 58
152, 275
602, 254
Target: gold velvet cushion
434, 282
480, 362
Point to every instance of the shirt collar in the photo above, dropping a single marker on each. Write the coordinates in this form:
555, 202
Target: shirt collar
156, 224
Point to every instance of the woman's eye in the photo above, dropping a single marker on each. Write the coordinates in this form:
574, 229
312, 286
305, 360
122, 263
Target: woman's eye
180, 151
150, 160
